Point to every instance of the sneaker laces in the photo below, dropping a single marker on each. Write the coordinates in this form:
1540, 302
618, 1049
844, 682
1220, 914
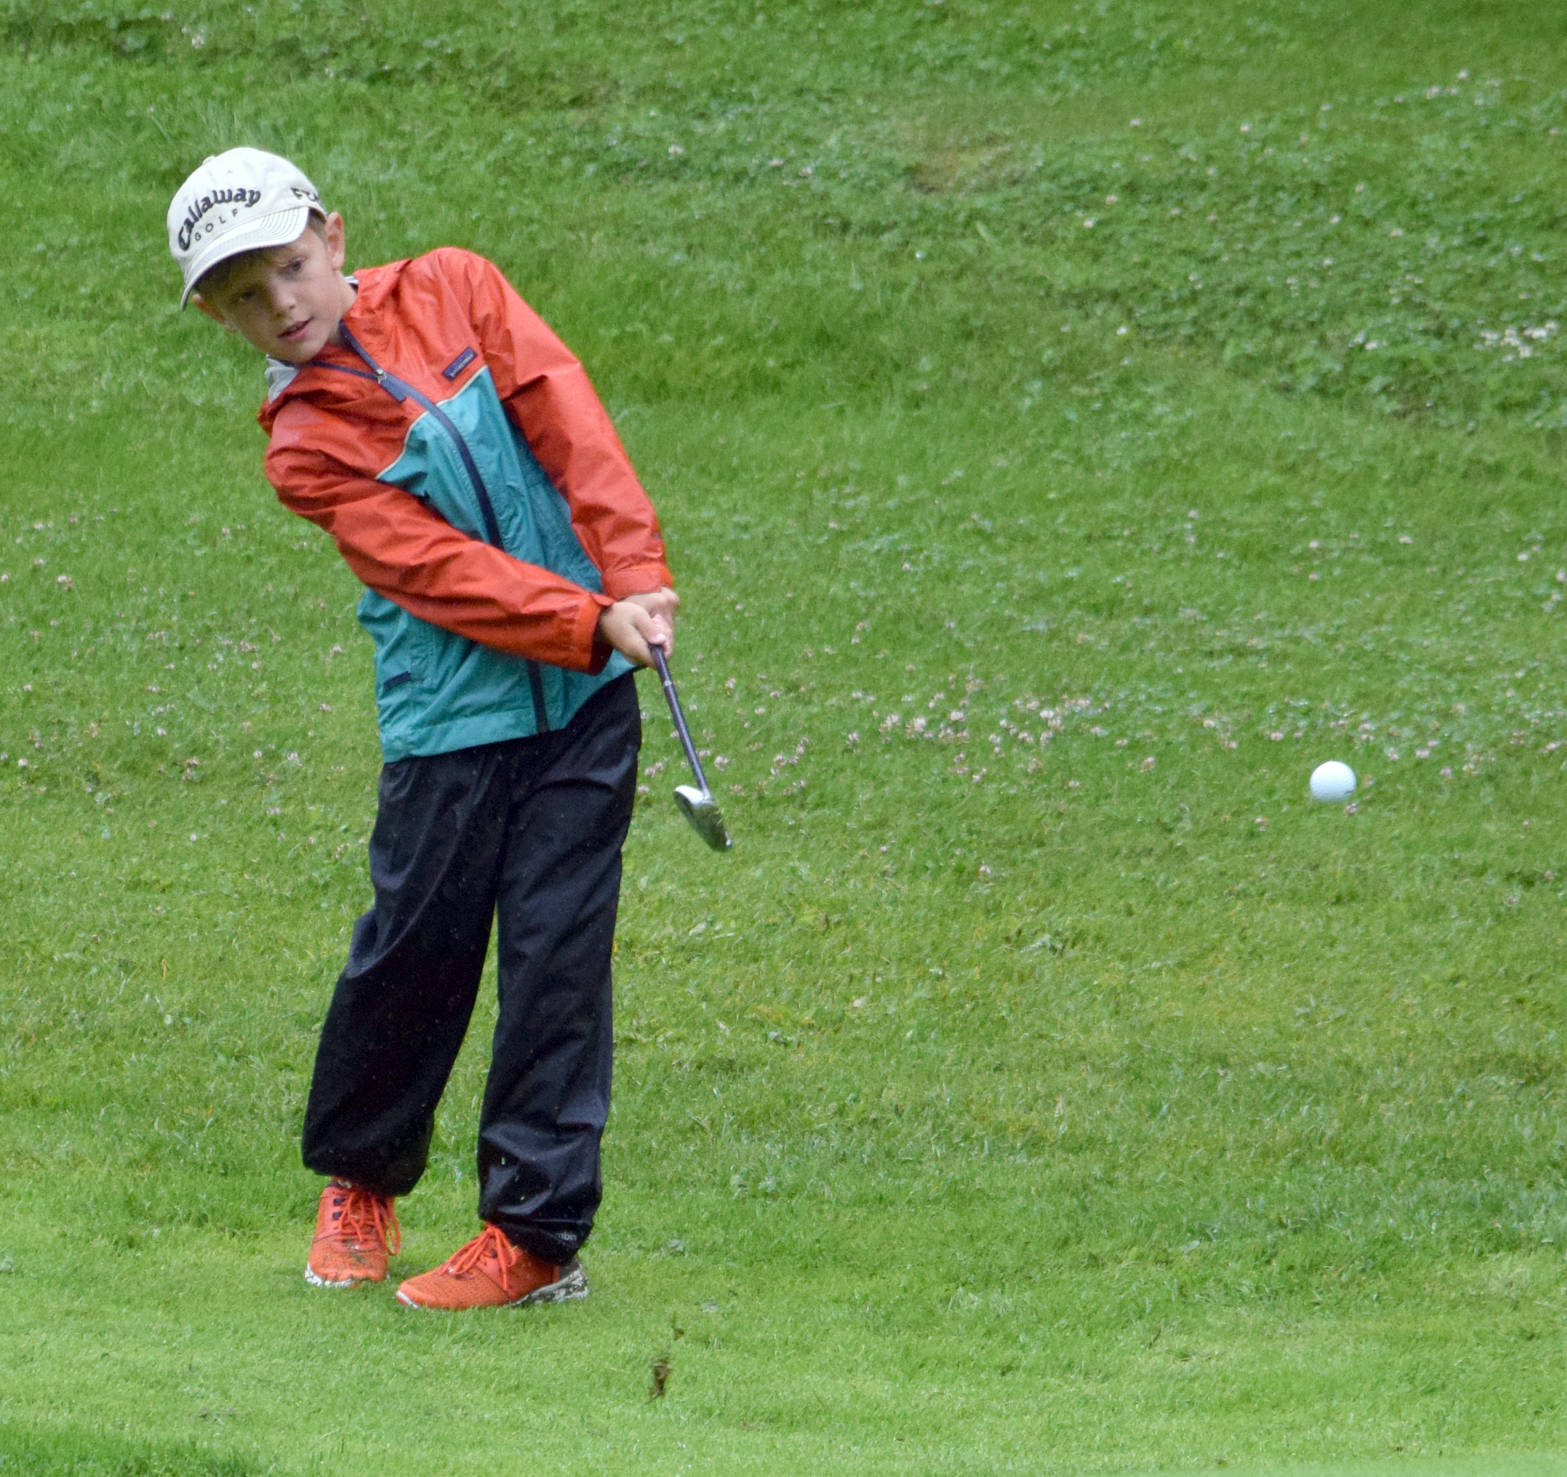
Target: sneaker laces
490, 1242
369, 1219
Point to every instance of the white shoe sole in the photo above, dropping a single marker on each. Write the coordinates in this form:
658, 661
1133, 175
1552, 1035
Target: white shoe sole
316, 1281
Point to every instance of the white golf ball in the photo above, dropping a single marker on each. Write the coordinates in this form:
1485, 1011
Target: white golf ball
1332, 781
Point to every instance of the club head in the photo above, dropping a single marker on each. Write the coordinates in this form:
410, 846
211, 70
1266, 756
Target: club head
701, 810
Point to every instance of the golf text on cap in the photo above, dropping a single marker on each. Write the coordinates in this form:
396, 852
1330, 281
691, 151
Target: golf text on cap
239, 198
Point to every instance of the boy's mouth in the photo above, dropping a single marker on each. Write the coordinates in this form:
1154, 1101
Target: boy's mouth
294, 331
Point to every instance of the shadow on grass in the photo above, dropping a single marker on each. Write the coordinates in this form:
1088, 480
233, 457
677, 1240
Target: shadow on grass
80, 1453
1511, 1464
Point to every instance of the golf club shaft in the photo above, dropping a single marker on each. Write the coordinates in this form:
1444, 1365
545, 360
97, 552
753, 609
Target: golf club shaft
668, 682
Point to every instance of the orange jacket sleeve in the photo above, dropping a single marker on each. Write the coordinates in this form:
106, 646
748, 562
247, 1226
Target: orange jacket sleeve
550, 399
414, 557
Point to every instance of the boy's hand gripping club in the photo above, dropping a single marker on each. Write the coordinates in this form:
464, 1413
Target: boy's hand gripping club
695, 801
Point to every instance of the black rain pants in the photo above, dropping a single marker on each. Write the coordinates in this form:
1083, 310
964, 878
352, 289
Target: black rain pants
526, 834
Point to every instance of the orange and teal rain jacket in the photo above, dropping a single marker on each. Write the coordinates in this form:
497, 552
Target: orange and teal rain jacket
460, 459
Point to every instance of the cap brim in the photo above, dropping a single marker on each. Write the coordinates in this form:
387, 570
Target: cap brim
277, 229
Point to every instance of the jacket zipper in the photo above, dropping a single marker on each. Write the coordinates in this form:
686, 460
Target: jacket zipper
401, 390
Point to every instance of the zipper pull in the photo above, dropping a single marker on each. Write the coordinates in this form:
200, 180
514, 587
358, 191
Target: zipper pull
389, 382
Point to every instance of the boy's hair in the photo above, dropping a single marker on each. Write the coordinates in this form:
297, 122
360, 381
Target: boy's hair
211, 282
243, 201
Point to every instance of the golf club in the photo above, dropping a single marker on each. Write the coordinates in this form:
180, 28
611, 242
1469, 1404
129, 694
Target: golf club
695, 801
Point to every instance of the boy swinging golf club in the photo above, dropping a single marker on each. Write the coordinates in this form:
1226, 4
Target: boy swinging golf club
454, 450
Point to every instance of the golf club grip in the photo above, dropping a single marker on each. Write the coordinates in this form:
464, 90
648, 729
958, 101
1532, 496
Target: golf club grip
673, 697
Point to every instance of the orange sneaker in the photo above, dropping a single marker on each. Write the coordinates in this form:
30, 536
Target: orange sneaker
490, 1272
356, 1231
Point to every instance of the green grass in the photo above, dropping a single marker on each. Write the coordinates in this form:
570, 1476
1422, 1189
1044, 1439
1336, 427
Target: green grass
1071, 423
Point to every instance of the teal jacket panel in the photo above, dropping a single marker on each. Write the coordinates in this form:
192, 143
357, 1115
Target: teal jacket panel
437, 691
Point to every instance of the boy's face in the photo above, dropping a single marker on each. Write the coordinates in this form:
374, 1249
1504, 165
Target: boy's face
286, 301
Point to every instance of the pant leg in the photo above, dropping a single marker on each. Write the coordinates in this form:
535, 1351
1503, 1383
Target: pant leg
547, 1097
404, 999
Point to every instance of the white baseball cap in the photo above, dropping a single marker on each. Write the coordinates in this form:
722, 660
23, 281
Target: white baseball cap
244, 200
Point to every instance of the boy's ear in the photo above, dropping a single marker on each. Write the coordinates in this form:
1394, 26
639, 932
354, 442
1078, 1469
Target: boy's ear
336, 241
211, 311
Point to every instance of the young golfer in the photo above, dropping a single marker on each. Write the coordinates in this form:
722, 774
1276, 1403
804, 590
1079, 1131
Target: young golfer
457, 455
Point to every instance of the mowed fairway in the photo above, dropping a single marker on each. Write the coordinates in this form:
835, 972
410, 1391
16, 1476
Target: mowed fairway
1071, 423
